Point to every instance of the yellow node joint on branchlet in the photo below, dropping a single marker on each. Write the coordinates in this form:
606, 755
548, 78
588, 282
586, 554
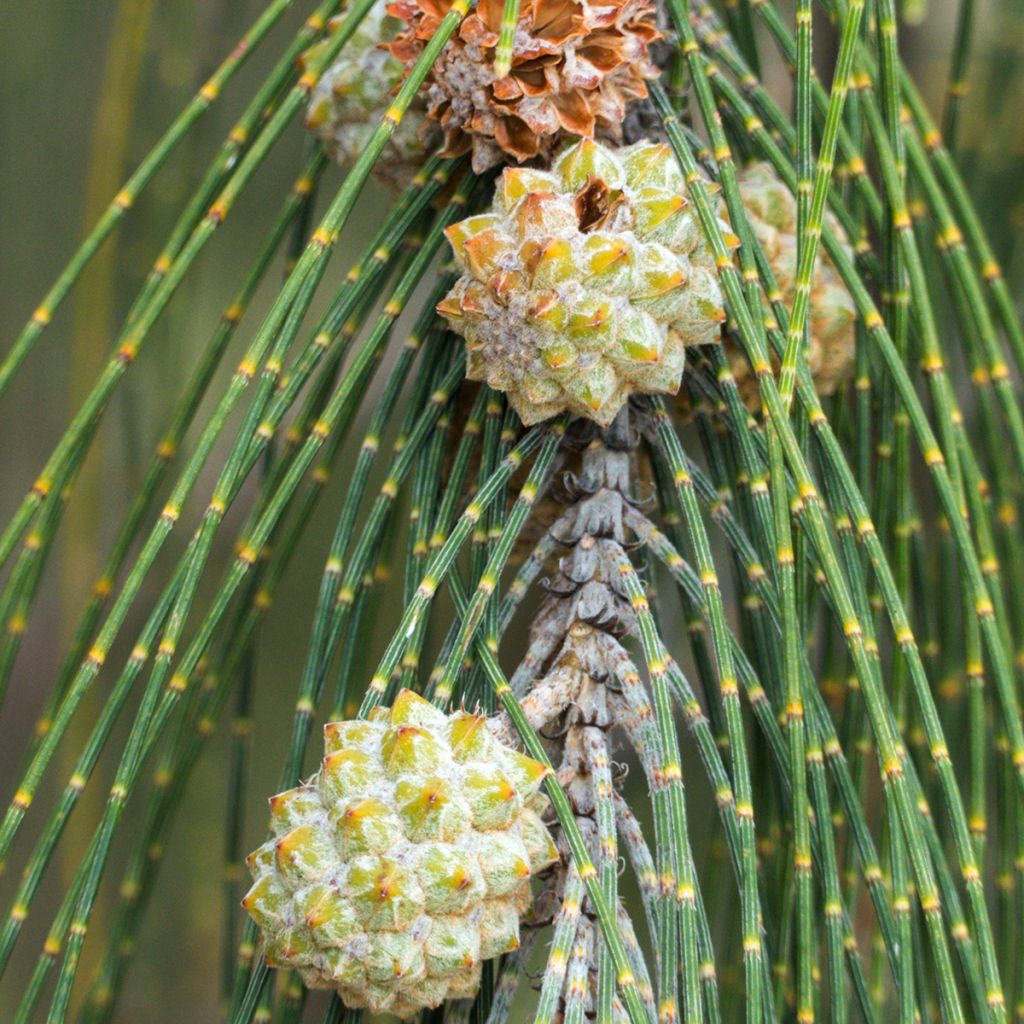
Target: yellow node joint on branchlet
905, 637
218, 212
872, 874
247, 555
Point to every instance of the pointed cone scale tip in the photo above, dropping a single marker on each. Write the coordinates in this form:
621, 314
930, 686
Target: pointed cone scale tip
580, 322
534, 771
464, 728
449, 307
605, 254
548, 308
555, 250
407, 699
483, 253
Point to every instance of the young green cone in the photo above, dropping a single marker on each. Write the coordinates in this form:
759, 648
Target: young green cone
404, 862
771, 210
352, 96
584, 284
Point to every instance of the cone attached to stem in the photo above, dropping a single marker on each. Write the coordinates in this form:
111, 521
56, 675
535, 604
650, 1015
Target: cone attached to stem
404, 862
575, 66
584, 284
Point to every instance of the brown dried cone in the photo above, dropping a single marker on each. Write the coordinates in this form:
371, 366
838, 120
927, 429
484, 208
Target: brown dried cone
771, 210
575, 67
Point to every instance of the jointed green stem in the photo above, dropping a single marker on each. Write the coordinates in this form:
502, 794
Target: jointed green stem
132, 188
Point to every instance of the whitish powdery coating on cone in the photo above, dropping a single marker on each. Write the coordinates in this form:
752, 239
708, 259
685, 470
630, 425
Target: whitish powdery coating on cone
404, 862
585, 284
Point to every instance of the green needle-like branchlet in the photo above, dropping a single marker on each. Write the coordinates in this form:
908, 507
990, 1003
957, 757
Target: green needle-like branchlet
803, 608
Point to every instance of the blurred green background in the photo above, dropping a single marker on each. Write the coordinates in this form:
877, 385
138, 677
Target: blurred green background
85, 89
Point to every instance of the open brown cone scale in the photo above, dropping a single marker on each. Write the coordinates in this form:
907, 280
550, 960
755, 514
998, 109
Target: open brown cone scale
575, 67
